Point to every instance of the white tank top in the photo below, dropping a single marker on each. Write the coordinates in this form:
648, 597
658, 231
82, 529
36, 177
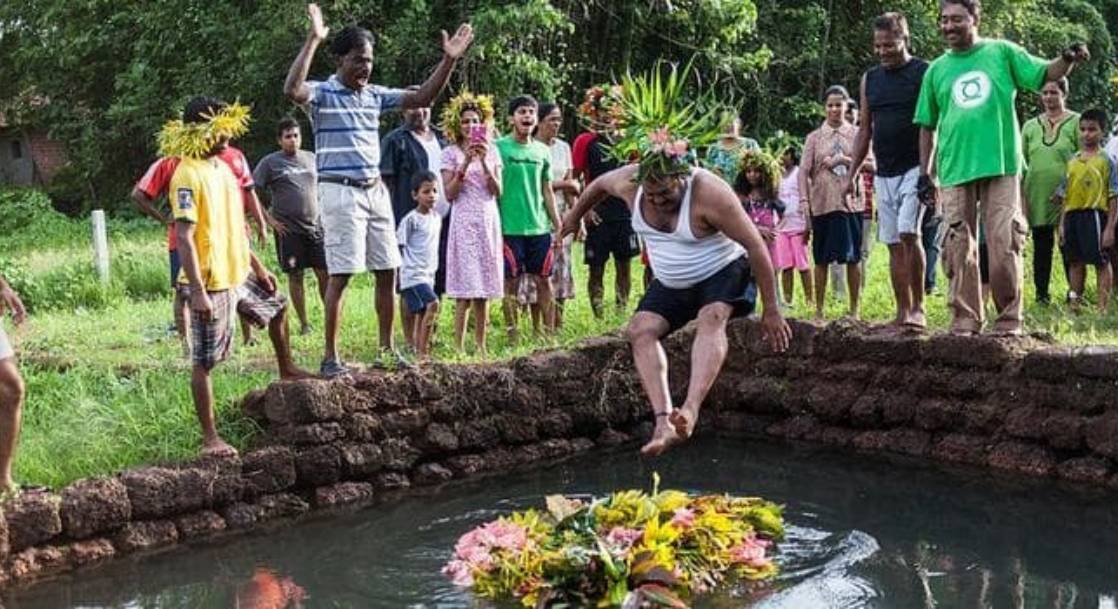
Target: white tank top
680, 260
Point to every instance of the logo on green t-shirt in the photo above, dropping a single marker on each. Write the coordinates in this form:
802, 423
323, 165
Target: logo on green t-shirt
971, 89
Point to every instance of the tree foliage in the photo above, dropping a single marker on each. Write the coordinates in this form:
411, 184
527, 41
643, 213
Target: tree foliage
114, 72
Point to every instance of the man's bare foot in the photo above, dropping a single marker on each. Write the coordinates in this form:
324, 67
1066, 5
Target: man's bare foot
683, 420
294, 373
216, 447
663, 438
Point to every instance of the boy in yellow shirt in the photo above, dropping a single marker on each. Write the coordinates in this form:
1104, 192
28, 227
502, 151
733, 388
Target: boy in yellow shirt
220, 274
1089, 200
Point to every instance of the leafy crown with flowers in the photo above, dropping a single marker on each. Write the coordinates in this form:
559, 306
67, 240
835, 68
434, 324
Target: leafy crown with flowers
451, 118
662, 125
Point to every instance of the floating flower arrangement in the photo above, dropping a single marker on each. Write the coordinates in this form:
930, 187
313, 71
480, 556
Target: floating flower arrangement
629, 550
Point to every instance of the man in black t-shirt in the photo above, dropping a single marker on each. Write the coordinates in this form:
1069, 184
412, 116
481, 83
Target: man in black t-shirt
889, 95
609, 230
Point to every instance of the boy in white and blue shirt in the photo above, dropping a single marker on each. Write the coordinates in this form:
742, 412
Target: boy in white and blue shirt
418, 236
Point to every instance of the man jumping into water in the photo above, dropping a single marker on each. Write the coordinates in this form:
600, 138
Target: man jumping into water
707, 257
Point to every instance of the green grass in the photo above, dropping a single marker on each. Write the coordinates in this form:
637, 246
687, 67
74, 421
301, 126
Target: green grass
108, 387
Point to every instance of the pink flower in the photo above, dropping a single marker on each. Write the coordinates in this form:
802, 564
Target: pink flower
660, 138
459, 573
623, 538
683, 518
750, 552
676, 149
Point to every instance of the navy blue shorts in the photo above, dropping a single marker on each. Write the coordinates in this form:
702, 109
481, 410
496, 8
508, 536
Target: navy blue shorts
527, 255
176, 266
1083, 236
418, 297
733, 284
615, 239
836, 238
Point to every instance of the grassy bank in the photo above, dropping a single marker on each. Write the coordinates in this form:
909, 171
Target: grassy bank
108, 387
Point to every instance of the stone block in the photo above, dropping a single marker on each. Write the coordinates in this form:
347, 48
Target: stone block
160, 492
580, 445
280, 505
391, 481
837, 436
962, 448
744, 423
1102, 435
613, 437
94, 506
517, 429
832, 401
467, 465
759, 394
343, 493
1026, 423
145, 535
555, 424
873, 440
37, 563
405, 422
909, 442
479, 434
431, 473
1086, 470
983, 418
1096, 362
1048, 364
199, 525
1065, 431
867, 409
309, 434
304, 401
359, 461
268, 470
1022, 458
936, 414
239, 516
973, 352
33, 518
363, 427
90, 551
399, 455
439, 439
318, 466
795, 428
899, 409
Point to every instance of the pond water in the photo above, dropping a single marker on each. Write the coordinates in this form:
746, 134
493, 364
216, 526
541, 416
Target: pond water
863, 532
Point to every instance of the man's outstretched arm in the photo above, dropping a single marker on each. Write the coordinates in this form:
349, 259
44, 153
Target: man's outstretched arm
295, 86
453, 49
617, 183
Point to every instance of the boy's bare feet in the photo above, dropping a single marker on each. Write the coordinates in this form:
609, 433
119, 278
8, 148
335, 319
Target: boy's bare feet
216, 447
684, 419
294, 373
663, 437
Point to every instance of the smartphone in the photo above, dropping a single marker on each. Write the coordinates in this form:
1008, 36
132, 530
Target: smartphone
479, 134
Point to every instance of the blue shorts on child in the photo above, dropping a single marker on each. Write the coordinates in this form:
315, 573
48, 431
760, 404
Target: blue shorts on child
418, 297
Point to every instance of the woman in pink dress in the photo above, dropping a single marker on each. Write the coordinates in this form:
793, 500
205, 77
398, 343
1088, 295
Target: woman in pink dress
472, 176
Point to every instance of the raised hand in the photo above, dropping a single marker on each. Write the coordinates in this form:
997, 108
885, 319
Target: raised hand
456, 46
318, 26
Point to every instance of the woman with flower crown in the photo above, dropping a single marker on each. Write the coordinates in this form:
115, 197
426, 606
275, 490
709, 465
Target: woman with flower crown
472, 177
708, 258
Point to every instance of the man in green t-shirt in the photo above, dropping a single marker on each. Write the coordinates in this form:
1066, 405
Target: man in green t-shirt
966, 109
528, 213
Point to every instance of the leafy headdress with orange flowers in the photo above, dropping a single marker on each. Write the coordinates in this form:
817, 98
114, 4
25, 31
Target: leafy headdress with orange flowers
600, 109
196, 140
661, 127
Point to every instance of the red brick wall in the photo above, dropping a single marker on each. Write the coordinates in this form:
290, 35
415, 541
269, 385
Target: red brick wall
49, 155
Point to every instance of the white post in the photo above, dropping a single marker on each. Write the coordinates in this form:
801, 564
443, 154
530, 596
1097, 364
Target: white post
100, 245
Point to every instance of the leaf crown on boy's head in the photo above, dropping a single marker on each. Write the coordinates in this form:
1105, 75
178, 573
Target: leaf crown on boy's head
196, 139
663, 124
464, 101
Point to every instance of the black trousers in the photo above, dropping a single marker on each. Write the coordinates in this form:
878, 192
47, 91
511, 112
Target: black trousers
1044, 246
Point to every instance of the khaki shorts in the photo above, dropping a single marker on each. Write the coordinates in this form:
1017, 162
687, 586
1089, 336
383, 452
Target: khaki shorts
6, 350
360, 228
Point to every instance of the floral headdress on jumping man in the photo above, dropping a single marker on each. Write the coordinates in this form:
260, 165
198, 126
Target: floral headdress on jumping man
451, 118
196, 140
601, 109
661, 127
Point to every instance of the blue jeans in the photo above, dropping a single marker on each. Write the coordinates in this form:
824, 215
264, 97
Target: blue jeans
930, 238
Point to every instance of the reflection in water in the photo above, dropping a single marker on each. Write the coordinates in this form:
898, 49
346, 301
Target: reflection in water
863, 533
266, 590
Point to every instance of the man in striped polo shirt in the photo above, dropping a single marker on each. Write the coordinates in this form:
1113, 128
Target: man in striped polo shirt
356, 208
